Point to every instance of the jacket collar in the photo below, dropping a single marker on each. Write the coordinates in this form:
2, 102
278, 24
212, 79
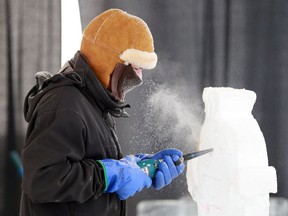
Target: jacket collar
90, 84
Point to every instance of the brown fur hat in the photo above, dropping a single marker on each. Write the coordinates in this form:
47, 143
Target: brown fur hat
117, 37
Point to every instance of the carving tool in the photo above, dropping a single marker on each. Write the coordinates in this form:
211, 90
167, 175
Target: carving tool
150, 166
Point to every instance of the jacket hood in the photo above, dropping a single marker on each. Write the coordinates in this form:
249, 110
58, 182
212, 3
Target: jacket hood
45, 81
76, 73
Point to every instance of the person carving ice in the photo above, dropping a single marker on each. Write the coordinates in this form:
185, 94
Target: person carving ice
73, 164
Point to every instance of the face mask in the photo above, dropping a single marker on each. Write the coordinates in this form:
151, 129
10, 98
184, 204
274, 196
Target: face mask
124, 79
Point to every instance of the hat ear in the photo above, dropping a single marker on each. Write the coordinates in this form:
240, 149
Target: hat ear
117, 37
142, 59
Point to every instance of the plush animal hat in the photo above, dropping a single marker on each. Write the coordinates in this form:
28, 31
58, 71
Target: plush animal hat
117, 37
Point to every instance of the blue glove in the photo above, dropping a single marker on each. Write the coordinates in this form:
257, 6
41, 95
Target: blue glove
167, 170
124, 176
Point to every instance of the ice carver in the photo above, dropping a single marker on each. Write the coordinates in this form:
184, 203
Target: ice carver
72, 160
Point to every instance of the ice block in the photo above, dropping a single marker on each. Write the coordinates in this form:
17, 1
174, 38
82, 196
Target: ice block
235, 179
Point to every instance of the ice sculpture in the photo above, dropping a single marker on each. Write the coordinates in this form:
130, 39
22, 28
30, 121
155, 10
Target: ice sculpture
235, 178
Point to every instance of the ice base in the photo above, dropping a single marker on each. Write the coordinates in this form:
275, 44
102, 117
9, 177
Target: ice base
180, 207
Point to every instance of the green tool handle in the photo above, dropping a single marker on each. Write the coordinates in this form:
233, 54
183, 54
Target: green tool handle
149, 166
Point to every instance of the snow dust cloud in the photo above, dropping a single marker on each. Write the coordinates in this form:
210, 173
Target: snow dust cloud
171, 118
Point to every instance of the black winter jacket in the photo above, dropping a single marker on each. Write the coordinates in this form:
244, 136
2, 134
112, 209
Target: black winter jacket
70, 126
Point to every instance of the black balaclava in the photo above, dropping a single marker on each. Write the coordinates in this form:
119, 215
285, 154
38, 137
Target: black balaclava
123, 80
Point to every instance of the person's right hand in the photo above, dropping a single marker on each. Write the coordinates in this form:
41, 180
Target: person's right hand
124, 176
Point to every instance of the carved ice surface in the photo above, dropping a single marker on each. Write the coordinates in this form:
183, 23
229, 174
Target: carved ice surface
235, 178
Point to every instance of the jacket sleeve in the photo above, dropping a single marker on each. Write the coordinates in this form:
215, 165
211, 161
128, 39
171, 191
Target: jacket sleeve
55, 169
